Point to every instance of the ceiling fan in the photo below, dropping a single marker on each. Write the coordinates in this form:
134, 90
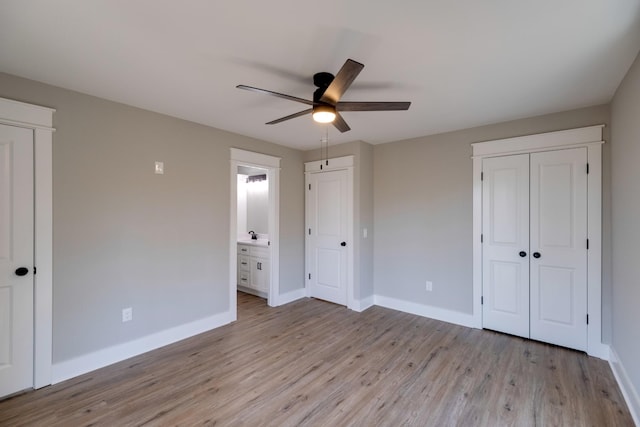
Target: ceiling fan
326, 105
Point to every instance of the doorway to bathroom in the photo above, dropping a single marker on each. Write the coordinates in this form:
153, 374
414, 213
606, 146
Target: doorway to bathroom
254, 226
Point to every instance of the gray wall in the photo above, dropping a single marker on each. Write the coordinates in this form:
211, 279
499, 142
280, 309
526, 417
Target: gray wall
125, 237
625, 161
363, 210
423, 210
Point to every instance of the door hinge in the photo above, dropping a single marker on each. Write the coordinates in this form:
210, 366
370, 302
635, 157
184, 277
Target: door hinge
481, 238
587, 244
34, 269
309, 187
309, 276
309, 232
587, 319
481, 176
587, 168
481, 300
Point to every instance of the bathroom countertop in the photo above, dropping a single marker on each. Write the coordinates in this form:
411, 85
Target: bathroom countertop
251, 242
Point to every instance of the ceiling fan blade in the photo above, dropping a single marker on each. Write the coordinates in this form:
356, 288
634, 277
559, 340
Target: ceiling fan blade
372, 106
342, 81
272, 93
289, 117
340, 124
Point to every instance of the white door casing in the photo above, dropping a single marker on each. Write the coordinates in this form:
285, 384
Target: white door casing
505, 268
39, 121
591, 139
241, 157
559, 236
16, 251
327, 233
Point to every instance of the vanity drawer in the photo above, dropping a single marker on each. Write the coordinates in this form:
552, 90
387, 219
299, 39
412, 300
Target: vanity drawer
244, 249
243, 263
260, 252
243, 278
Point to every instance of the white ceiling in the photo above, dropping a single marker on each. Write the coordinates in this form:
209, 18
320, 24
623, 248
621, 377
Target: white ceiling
461, 63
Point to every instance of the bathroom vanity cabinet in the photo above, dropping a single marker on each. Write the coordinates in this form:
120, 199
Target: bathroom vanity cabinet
253, 268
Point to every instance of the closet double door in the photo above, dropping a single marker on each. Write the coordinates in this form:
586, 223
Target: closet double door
534, 250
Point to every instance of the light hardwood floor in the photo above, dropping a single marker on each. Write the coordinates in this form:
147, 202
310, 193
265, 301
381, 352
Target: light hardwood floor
314, 363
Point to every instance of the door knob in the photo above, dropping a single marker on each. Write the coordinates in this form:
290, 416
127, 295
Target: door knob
536, 254
343, 244
522, 254
22, 271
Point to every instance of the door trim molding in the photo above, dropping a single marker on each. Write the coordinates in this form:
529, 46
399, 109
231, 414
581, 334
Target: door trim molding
241, 157
40, 120
589, 137
328, 165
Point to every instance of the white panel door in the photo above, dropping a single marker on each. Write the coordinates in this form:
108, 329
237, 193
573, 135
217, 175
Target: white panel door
505, 227
558, 247
16, 252
327, 228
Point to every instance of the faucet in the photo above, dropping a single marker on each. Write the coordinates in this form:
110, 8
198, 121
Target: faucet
254, 235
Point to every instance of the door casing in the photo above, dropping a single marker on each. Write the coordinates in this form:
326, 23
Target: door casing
589, 137
40, 120
272, 165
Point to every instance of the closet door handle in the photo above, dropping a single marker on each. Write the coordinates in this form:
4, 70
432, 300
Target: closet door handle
22, 271
343, 244
522, 254
536, 255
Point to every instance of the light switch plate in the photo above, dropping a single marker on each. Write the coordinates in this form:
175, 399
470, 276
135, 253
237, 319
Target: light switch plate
127, 314
159, 168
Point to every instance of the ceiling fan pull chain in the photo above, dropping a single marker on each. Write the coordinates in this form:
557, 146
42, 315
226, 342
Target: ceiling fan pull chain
326, 141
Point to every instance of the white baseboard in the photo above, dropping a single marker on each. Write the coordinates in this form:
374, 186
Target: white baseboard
437, 313
626, 386
599, 350
98, 359
364, 303
291, 296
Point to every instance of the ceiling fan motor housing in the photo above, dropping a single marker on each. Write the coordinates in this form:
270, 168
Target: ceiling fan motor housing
323, 79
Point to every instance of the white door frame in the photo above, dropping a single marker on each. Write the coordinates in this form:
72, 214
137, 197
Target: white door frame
319, 166
589, 137
40, 120
272, 165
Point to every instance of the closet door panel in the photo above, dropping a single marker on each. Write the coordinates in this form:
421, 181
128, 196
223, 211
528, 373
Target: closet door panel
558, 236
505, 229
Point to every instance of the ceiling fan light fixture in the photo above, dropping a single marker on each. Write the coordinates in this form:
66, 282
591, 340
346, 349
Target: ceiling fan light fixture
324, 113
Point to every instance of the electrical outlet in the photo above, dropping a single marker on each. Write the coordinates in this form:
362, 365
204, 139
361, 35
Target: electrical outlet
127, 314
429, 286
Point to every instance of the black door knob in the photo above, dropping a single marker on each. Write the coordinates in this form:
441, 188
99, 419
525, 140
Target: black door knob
343, 244
522, 254
536, 254
22, 271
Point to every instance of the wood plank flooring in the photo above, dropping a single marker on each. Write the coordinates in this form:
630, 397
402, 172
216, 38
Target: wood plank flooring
312, 363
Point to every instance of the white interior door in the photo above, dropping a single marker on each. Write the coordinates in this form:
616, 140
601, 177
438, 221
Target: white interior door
327, 236
558, 247
534, 265
16, 252
505, 227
